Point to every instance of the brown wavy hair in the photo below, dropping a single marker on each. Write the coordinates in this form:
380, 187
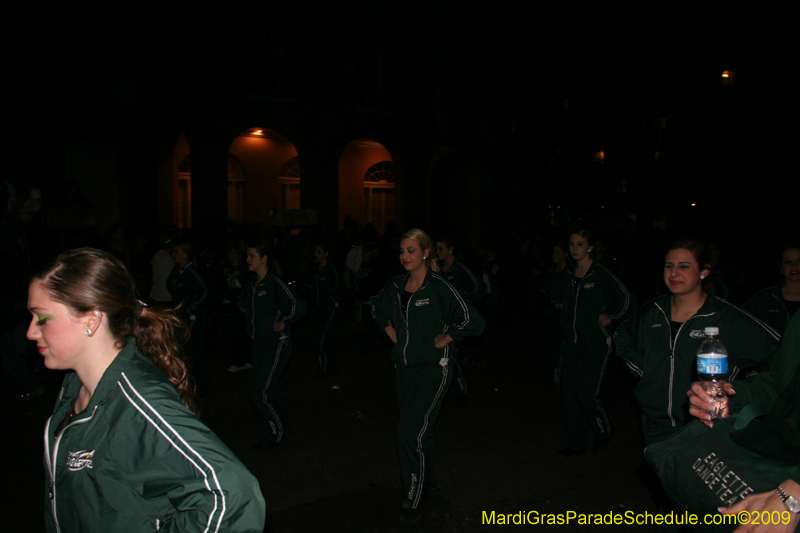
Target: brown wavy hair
86, 279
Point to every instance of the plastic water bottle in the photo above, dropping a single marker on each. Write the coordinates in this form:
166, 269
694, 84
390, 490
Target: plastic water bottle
712, 370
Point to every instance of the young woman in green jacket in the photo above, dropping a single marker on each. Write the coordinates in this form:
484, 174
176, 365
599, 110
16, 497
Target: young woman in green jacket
422, 314
589, 298
123, 449
270, 308
659, 343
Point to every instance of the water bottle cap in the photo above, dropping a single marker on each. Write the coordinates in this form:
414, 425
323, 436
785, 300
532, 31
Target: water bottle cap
712, 330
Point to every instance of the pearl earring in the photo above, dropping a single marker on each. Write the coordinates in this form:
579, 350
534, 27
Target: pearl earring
87, 332
702, 276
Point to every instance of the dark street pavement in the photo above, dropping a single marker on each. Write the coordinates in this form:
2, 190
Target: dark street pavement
339, 472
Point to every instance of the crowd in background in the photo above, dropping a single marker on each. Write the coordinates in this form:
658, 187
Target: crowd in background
515, 271
209, 282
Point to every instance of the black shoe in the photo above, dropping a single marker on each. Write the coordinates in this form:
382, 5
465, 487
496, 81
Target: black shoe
409, 516
600, 445
566, 451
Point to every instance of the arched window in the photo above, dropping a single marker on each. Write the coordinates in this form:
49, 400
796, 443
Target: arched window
184, 204
289, 181
236, 183
379, 199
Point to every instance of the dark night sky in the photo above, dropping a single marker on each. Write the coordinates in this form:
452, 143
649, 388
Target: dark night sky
500, 74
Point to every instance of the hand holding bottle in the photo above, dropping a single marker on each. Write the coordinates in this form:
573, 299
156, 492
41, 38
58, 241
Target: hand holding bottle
702, 405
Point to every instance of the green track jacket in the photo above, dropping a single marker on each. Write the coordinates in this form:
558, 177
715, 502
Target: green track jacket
667, 369
323, 286
136, 460
600, 293
767, 305
462, 278
188, 289
436, 307
778, 391
267, 303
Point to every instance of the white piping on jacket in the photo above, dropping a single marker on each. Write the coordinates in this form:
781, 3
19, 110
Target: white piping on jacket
177, 435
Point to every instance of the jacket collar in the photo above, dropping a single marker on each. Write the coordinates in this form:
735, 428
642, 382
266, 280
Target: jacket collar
592, 268
425, 282
108, 382
709, 307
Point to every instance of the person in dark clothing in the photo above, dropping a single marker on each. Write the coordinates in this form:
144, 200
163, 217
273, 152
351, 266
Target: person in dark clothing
473, 289
590, 300
659, 343
324, 287
561, 260
456, 272
270, 307
422, 313
190, 297
776, 305
236, 276
124, 450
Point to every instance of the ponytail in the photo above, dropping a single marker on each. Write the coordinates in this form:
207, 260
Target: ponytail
160, 336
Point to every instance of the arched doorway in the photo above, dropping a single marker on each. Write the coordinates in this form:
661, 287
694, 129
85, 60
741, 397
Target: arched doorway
379, 195
367, 184
270, 174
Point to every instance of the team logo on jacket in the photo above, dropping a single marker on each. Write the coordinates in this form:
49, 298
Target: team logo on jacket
588, 285
261, 293
79, 460
697, 333
424, 301
655, 325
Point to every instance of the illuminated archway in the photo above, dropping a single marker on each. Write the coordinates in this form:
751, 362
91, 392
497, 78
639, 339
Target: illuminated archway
175, 190
271, 174
367, 184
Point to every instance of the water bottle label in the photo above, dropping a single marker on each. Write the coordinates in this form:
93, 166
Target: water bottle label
712, 365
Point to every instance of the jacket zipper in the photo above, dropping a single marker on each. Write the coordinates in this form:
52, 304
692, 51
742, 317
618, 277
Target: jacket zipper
253, 307
408, 310
672, 368
575, 311
51, 464
405, 319
673, 344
